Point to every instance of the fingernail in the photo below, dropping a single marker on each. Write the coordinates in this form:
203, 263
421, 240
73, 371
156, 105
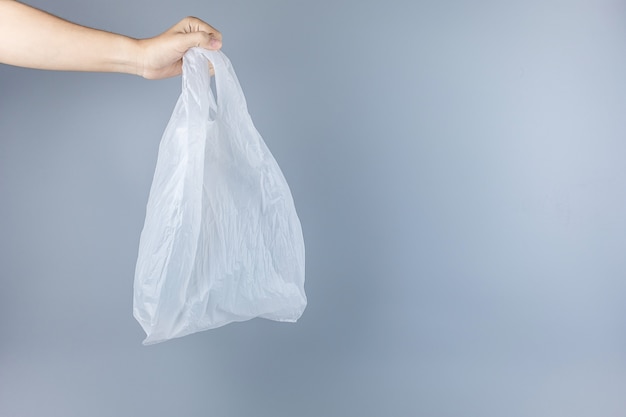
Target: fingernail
215, 43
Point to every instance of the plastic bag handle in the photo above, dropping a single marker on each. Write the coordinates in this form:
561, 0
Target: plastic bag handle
197, 81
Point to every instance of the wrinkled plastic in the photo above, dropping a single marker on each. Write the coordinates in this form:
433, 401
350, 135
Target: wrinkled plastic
221, 241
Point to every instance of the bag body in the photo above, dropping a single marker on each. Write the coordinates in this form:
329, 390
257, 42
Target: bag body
221, 241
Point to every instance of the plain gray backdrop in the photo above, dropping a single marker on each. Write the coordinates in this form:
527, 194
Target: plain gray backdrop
458, 168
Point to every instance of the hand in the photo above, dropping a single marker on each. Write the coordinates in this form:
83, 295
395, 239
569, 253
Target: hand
35, 39
161, 56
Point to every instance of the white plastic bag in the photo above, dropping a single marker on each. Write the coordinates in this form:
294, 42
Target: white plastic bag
221, 241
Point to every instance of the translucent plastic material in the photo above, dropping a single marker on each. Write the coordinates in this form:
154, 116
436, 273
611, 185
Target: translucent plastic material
222, 241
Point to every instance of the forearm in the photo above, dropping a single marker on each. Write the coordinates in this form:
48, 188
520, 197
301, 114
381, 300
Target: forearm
35, 39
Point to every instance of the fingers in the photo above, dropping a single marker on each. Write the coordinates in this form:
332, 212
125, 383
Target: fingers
198, 25
199, 33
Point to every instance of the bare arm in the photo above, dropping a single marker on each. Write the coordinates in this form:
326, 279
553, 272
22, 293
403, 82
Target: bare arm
33, 38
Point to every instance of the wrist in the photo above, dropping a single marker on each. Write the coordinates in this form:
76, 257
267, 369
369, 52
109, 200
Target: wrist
128, 57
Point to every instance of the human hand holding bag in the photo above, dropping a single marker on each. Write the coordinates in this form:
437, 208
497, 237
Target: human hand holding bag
221, 241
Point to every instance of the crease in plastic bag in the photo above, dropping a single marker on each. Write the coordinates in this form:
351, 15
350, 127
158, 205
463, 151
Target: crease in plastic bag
221, 241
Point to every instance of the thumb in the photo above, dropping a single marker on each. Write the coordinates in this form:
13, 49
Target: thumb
200, 39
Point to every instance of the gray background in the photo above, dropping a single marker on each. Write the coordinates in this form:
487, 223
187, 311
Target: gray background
458, 168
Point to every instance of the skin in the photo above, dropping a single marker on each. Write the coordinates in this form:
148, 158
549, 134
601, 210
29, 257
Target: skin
35, 39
